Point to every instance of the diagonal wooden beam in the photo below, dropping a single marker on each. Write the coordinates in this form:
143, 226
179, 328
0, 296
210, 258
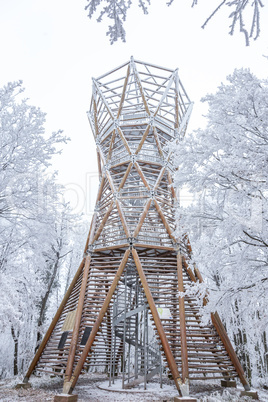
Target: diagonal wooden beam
102, 224
78, 316
143, 139
138, 81
170, 181
94, 217
125, 176
53, 323
110, 180
143, 178
159, 178
91, 231
142, 218
123, 93
111, 147
99, 163
162, 216
158, 144
123, 138
188, 269
216, 321
229, 348
69, 386
102, 156
122, 218
161, 332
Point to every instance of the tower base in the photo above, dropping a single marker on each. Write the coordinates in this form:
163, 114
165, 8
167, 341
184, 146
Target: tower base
65, 398
228, 384
23, 385
251, 394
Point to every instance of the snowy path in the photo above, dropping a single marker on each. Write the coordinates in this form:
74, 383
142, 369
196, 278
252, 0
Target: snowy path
43, 390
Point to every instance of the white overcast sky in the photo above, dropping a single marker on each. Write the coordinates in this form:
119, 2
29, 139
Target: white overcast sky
55, 49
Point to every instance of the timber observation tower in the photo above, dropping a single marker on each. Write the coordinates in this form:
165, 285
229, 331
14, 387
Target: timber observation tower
124, 312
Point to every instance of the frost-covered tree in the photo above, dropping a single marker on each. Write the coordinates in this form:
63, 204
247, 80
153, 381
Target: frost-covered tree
34, 227
224, 167
241, 11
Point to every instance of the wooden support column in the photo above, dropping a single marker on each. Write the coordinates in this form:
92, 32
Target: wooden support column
161, 332
79, 310
69, 386
54, 322
184, 353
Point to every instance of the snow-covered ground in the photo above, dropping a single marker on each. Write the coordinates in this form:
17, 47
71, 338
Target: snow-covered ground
94, 388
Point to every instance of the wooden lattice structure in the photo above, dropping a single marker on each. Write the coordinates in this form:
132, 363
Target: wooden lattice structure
123, 311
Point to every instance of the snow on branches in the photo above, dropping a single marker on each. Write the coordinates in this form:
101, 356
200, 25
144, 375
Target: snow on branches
34, 227
224, 167
116, 11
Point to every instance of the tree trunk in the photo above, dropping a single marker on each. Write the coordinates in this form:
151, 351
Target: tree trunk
44, 300
15, 358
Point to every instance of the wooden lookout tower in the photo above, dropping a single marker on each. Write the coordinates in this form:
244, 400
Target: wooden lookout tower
124, 312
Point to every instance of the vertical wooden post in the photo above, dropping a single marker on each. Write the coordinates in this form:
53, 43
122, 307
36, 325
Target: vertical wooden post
73, 345
184, 353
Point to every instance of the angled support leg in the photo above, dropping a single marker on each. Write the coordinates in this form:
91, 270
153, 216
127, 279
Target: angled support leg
73, 345
169, 356
69, 386
53, 324
229, 348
